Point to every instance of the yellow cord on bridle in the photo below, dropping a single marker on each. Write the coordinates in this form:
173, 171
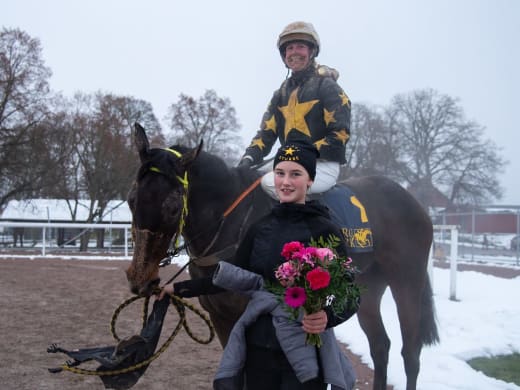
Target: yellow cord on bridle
185, 185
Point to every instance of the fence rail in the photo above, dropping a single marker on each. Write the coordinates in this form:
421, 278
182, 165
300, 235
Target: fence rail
45, 235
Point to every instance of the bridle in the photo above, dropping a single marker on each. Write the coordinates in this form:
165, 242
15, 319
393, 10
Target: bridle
185, 185
203, 260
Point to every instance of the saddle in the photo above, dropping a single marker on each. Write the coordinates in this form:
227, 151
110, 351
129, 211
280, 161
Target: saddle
349, 213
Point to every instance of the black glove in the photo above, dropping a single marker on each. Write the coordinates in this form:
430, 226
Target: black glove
245, 162
350, 309
193, 287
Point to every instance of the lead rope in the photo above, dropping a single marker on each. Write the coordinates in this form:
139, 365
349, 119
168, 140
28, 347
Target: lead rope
180, 304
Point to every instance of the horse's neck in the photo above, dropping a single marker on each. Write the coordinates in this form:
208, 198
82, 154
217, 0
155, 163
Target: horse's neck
209, 229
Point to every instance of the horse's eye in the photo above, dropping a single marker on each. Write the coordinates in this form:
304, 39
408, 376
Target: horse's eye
171, 205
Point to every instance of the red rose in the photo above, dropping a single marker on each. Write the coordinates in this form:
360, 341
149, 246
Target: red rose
290, 248
318, 278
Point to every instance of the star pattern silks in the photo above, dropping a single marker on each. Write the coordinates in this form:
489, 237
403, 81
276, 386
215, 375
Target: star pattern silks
270, 124
342, 135
294, 113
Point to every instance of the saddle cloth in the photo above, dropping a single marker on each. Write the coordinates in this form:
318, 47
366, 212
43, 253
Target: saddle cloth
349, 213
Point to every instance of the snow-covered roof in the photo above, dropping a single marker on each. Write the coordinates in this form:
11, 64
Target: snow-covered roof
58, 210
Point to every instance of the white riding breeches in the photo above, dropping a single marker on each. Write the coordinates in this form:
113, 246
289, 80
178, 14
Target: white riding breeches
327, 173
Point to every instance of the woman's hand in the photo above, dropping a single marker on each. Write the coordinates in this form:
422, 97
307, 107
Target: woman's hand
167, 290
315, 322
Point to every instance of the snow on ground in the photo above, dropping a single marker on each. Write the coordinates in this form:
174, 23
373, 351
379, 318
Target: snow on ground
484, 321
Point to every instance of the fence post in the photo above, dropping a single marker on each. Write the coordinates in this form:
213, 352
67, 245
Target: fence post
473, 234
517, 248
126, 242
453, 263
430, 266
44, 235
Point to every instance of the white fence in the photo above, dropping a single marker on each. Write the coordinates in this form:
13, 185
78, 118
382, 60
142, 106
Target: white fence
454, 254
47, 239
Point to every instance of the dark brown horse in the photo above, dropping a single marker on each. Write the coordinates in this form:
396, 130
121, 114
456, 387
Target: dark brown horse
170, 178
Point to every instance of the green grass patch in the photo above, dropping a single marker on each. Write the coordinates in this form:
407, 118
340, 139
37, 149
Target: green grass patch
504, 367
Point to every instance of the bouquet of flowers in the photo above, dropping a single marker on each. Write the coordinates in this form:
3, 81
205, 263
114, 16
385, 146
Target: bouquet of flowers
314, 277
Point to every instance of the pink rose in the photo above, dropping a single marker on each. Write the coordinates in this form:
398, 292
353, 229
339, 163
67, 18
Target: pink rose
325, 254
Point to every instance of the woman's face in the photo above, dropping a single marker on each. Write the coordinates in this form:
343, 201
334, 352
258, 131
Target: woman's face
297, 56
291, 182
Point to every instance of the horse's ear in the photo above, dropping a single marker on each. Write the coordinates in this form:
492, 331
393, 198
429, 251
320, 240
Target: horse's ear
190, 156
141, 142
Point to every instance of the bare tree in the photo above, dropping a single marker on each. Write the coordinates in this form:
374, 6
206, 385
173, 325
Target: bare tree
211, 119
101, 162
440, 149
24, 98
374, 146
107, 160
119, 114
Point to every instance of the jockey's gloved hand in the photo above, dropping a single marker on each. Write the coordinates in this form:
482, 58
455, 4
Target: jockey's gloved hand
246, 162
193, 287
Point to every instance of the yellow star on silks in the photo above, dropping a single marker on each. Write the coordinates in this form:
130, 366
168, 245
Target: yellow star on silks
319, 143
345, 101
289, 151
328, 116
294, 113
258, 142
342, 135
270, 124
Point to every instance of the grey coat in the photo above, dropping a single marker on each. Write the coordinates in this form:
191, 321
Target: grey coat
336, 368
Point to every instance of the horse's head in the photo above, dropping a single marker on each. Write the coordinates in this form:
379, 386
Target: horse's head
157, 200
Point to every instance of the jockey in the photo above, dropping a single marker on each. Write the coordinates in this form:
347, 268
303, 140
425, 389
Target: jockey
309, 106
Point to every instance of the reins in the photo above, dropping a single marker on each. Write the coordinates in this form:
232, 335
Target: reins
232, 248
241, 197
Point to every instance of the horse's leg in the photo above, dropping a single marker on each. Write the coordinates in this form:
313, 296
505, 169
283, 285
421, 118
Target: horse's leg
369, 316
224, 311
221, 325
412, 295
408, 309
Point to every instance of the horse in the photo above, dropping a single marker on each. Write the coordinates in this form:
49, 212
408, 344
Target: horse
180, 190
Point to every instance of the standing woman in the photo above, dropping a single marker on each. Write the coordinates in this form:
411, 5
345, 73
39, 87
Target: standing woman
269, 362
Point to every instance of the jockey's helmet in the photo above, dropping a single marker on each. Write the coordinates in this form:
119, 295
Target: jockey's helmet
299, 31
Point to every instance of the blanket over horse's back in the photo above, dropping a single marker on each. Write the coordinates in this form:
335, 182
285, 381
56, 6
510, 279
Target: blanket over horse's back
347, 211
